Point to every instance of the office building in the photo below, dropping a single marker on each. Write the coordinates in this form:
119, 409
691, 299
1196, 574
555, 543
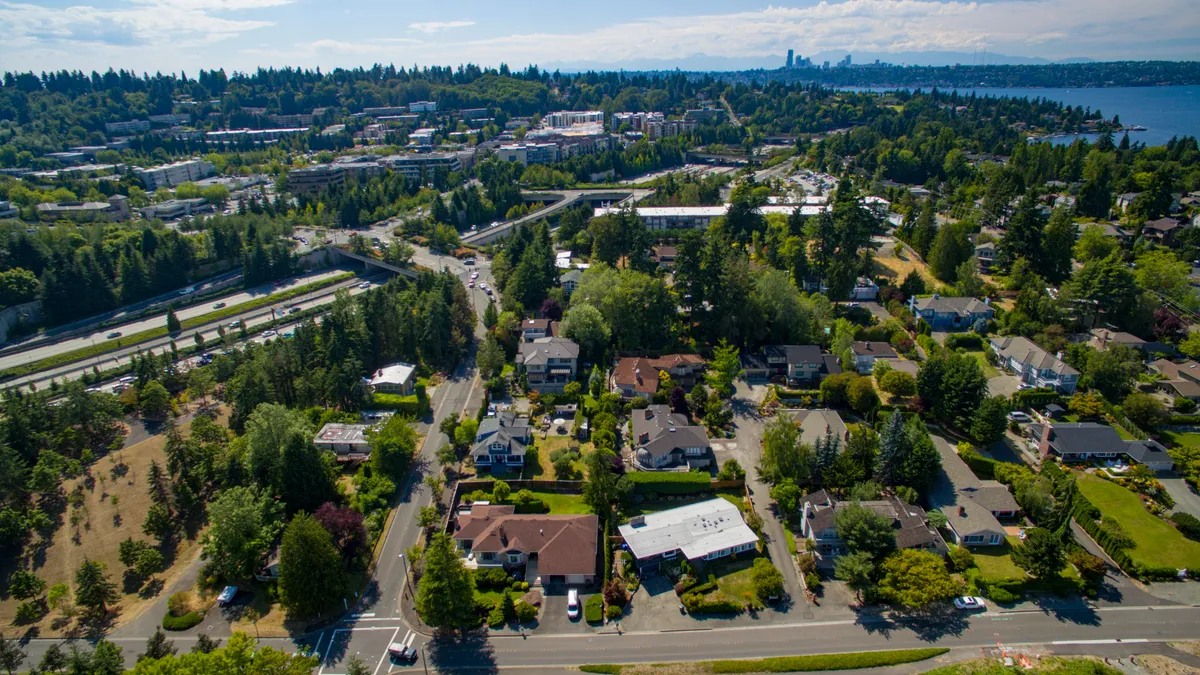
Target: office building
528, 153
385, 110
127, 128
176, 208
174, 174
116, 208
703, 114
422, 137
569, 118
473, 113
791, 56
314, 179
422, 106
421, 165
170, 119
67, 157
298, 120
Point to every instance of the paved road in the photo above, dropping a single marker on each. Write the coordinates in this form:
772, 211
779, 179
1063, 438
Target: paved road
1186, 499
160, 320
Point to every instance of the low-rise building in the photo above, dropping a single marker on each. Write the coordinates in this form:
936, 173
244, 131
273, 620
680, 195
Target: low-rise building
865, 354
699, 533
1162, 230
116, 208
973, 507
799, 364
535, 329
344, 440
7, 210
818, 522
1088, 441
548, 363
664, 440
422, 106
821, 424
396, 378
951, 314
423, 166
985, 257
569, 280
500, 442
176, 208
528, 153
1034, 365
569, 118
170, 175
384, 110
551, 550
126, 128
1182, 379
864, 289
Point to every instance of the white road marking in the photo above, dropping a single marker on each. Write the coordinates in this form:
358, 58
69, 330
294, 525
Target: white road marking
385, 651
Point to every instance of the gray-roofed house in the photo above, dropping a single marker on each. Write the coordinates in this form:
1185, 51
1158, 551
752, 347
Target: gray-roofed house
549, 363
1162, 230
699, 532
500, 442
865, 354
1103, 338
798, 363
344, 440
395, 378
1086, 441
972, 507
950, 314
815, 425
1034, 365
1182, 379
663, 439
818, 522
985, 256
569, 280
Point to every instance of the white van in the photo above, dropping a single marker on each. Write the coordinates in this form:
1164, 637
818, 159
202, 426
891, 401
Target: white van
573, 603
403, 650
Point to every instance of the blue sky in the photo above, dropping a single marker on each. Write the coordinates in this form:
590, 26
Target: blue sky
170, 35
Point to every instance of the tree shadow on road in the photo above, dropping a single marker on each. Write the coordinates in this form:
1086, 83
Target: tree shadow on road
929, 626
473, 652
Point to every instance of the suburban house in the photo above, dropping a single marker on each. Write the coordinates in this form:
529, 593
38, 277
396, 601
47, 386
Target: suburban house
501, 440
663, 439
396, 378
1103, 338
1086, 441
816, 425
550, 549
973, 507
1034, 365
985, 256
798, 363
344, 440
535, 329
1183, 379
1125, 200
569, 280
865, 354
864, 289
665, 255
549, 363
697, 532
818, 522
950, 314
1162, 230
638, 376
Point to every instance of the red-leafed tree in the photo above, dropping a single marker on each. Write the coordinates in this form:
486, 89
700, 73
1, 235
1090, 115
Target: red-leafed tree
345, 525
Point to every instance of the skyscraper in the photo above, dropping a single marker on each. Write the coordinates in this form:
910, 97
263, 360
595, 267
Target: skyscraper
791, 56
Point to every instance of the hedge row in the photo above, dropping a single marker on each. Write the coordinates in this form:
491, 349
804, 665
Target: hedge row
189, 620
673, 483
602, 668
1183, 419
1086, 514
983, 467
1032, 398
968, 341
593, 609
792, 664
797, 393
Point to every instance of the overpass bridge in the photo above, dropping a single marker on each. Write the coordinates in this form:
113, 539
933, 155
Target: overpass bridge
556, 201
374, 262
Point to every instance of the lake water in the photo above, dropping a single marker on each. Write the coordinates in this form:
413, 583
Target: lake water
1164, 111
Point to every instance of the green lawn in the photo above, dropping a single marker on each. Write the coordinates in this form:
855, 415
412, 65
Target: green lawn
995, 562
1158, 543
1190, 438
1124, 434
543, 469
733, 577
657, 505
493, 597
988, 369
560, 503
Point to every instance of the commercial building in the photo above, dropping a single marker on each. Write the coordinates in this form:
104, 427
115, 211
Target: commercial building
1088, 441
422, 137
314, 179
551, 550
818, 522
528, 153
127, 128
951, 314
170, 175
569, 118
549, 363
473, 113
972, 507
666, 440
703, 114
396, 378
344, 440
116, 208
382, 111
699, 532
422, 106
1034, 365
252, 135
421, 166
175, 208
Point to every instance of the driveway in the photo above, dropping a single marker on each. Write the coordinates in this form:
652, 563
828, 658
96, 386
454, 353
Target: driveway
876, 310
1003, 385
1186, 500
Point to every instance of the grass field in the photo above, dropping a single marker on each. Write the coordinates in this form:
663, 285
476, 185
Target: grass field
733, 578
102, 525
888, 264
1158, 543
988, 369
657, 505
544, 468
1189, 438
776, 664
995, 562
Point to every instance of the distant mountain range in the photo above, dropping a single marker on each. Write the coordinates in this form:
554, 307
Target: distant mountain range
704, 62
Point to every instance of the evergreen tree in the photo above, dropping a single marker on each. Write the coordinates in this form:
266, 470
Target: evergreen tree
1060, 238
925, 230
311, 576
1095, 197
305, 482
173, 324
1025, 237
93, 589
894, 448
446, 593
158, 647
490, 315
950, 249
825, 453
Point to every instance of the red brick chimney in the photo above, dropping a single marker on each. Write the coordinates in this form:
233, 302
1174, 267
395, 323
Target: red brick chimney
1044, 441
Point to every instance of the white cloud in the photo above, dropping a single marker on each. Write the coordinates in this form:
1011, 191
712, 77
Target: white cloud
431, 27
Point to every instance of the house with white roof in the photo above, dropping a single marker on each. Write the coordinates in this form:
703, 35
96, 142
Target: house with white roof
699, 532
396, 378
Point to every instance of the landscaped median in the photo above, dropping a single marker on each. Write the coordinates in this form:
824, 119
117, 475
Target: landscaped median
790, 664
153, 333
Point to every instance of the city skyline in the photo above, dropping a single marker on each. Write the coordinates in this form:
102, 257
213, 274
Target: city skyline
173, 35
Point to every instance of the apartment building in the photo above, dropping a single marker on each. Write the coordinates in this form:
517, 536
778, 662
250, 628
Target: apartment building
174, 174
528, 153
386, 110
569, 118
422, 106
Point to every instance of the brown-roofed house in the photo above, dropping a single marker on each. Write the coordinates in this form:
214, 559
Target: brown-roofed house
818, 522
638, 376
551, 549
1183, 379
533, 329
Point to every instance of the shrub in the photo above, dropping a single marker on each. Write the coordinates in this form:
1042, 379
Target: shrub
179, 603
807, 563
961, 559
495, 617
1001, 594
968, 341
593, 609
615, 593
613, 612
413, 405
1187, 524
602, 668
1184, 405
526, 613
818, 662
29, 611
1089, 566
189, 620
488, 578
1149, 572
813, 581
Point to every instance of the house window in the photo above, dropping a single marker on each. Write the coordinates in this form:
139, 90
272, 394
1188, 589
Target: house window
974, 538
670, 554
995, 539
514, 557
693, 451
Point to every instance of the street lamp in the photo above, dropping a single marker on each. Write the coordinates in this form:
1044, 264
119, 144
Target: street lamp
407, 581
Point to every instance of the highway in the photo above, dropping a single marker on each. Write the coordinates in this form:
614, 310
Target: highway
569, 198
159, 320
210, 332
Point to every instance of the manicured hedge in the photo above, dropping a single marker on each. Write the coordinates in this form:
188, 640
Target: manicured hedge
189, 620
1183, 419
593, 609
674, 483
792, 664
602, 668
798, 393
983, 467
1032, 398
968, 341
413, 405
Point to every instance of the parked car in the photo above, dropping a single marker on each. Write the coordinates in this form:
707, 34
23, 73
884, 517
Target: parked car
1018, 416
227, 595
573, 603
113, 335
234, 324
470, 284
970, 603
474, 275
187, 291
